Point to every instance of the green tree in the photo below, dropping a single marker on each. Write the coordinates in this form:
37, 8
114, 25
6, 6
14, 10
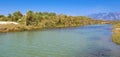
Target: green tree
2, 16
10, 17
29, 17
52, 14
16, 16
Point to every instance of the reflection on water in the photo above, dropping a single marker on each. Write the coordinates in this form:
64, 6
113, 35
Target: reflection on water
86, 41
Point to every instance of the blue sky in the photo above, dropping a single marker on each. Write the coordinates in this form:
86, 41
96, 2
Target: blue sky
69, 7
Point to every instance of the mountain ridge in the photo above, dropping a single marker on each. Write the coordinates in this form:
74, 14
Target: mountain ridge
106, 16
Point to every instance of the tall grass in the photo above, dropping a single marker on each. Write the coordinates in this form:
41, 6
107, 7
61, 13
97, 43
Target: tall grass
116, 34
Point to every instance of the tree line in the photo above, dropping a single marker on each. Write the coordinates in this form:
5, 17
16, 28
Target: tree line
47, 19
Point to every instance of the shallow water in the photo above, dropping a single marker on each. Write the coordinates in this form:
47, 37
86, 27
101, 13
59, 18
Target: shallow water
86, 41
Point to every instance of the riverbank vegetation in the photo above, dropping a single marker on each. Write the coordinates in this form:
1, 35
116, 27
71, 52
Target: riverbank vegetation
116, 33
39, 20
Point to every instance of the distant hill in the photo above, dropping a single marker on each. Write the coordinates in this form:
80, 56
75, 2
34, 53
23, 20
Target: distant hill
105, 16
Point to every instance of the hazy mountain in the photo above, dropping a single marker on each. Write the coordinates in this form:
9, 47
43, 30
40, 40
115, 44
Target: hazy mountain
105, 16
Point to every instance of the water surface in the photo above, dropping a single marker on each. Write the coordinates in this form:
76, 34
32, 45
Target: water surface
86, 41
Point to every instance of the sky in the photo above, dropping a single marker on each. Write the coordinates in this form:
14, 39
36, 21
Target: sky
68, 7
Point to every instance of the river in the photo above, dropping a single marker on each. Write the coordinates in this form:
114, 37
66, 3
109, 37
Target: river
86, 41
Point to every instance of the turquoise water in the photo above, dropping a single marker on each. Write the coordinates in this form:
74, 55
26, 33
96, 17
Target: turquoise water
86, 41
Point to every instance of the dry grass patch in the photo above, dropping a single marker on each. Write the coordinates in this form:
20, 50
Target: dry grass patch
12, 27
116, 33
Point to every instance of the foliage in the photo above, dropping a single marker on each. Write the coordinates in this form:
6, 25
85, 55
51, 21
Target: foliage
37, 20
116, 33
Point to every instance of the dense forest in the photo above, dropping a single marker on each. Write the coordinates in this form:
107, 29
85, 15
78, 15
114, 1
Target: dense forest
37, 20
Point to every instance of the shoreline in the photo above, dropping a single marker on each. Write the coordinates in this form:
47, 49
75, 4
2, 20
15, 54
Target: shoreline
21, 28
116, 35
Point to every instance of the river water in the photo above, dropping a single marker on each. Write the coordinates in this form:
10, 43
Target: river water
86, 41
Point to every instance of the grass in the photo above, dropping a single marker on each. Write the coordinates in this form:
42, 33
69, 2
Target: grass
12, 28
116, 34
